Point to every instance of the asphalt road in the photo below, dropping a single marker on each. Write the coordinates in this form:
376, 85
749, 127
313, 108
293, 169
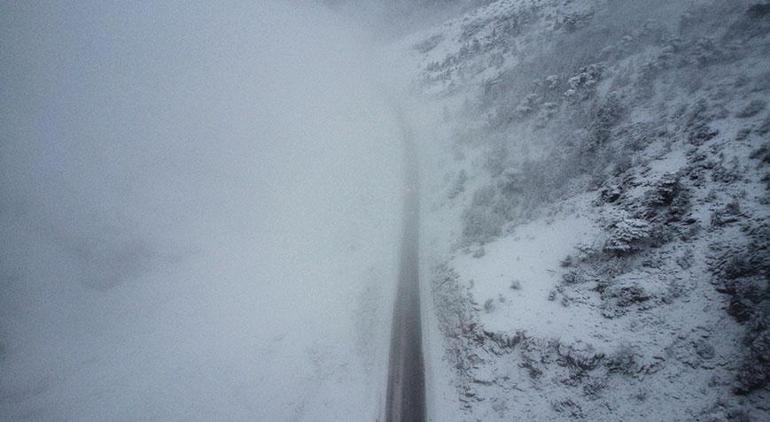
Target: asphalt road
406, 374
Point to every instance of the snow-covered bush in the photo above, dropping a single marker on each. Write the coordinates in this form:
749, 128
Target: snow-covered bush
752, 24
762, 82
755, 370
527, 106
489, 305
605, 117
751, 109
547, 112
762, 153
698, 122
627, 295
703, 52
583, 84
623, 360
664, 191
481, 224
552, 82
764, 127
730, 213
579, 355
743, 273
574, 21
573, 277
568, 408
609, 193
627, 236
668, 200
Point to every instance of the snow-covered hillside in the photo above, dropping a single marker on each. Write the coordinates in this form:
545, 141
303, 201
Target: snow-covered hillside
597, 226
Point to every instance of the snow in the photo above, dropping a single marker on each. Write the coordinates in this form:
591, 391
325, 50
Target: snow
529, 256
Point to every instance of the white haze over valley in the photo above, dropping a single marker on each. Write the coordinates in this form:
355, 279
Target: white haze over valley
200, 213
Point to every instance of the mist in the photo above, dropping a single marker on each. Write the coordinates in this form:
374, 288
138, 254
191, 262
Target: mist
200, 213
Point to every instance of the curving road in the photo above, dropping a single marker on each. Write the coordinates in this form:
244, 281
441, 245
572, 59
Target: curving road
406, 375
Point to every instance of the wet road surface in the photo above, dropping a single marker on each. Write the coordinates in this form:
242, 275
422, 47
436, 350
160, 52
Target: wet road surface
406, 374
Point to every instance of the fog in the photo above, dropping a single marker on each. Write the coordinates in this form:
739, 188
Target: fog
200, 213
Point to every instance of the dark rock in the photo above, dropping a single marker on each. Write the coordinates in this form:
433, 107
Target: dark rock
552, 295
704, 349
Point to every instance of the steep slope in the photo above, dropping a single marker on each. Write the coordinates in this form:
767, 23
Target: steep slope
597, 225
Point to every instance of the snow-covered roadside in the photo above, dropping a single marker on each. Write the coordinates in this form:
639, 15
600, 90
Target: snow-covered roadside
201, 215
